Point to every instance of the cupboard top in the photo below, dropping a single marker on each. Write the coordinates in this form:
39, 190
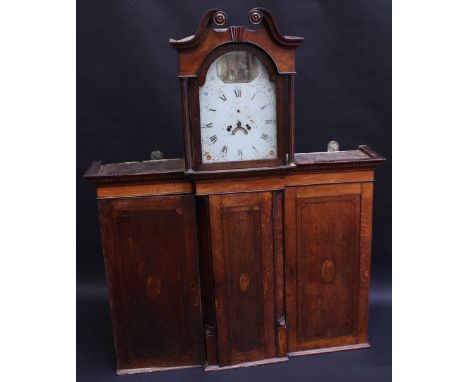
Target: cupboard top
173, 169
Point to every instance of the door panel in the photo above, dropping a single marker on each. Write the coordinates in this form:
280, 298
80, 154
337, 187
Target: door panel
242, 250
153, 280
323, 257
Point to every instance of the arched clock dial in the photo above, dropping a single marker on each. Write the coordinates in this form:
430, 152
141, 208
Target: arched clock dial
238, 110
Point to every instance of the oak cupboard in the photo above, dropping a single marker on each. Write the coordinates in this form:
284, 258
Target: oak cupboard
243, 275
150, 250
327, 262
221, 269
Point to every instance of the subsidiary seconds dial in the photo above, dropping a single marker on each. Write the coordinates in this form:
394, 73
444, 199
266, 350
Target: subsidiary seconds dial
237, 110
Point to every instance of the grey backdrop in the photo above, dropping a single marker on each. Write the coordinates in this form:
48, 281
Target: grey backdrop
128, 104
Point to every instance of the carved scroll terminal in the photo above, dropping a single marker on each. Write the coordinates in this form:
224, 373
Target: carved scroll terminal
255, 17
219, 18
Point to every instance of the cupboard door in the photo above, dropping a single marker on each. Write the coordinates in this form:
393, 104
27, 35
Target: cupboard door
151, 265
324, 308
242, 253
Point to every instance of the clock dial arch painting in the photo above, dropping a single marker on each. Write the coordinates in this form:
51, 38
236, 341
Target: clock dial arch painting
238, 110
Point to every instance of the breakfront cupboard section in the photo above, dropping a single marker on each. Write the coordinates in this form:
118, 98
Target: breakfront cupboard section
243, 275
218, 270
327, 265
151, 261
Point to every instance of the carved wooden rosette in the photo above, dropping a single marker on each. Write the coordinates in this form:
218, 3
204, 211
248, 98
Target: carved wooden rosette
269, 45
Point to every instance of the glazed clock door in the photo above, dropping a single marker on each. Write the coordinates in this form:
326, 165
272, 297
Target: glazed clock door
242, 255
327, 269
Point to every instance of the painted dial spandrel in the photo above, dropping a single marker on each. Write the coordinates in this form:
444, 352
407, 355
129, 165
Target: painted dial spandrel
238, 110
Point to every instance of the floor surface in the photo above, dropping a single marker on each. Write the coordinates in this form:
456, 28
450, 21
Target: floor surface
96, 362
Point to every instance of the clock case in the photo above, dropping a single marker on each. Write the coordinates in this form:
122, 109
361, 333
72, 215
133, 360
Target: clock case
211, 40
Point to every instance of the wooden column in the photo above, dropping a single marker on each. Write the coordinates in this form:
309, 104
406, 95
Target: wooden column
292, 121
184, 87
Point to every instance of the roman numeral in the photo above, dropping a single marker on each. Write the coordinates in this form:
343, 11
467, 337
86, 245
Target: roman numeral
213, 138
268, 121
238, 92
264, 136
212, 109
223, 97
255, 149
239, 152
208, 125
224, 149
263, 107
253, 96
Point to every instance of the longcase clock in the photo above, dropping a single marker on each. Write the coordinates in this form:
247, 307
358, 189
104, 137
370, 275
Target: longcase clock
237, 93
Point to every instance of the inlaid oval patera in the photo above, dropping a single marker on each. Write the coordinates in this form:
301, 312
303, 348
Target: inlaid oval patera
328, 271
244, 282
153, 286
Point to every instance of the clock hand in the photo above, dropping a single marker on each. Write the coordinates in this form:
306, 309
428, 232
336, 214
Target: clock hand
239, 127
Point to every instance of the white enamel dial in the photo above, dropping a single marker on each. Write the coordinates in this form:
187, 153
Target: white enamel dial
237, 110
